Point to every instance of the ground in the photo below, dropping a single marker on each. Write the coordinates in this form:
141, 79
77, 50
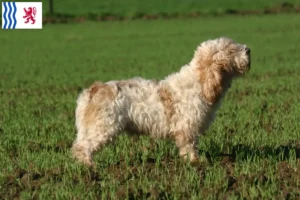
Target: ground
253, 146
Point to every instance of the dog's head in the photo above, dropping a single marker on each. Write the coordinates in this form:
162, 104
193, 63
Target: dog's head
217, 62
224, 55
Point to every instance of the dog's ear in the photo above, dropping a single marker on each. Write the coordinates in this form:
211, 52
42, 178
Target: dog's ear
211, 83
212, 67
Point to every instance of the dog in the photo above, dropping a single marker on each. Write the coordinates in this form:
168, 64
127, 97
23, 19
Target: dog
179, 107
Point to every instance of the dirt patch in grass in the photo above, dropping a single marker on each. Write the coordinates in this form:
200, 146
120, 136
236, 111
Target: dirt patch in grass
125, 174
289, 178
21, 179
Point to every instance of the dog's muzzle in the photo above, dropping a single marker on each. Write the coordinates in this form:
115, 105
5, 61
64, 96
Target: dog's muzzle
247, 51
249, 57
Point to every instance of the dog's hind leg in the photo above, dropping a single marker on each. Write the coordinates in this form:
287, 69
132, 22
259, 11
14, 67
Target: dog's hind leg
96, 121
95, 138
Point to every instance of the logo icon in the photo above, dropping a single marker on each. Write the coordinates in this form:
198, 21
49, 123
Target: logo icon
22, 15
30, 14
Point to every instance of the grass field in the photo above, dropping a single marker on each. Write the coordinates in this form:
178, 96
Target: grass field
131, 8
138, 8
253, 146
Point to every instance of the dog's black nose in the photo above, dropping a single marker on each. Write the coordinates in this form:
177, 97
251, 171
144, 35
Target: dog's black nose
247, 50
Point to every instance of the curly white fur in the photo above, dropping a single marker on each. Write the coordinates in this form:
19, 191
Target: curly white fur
180, 107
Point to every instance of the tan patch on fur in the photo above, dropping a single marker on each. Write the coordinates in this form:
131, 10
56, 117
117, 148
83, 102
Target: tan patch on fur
167, 101
212, 77
180, 138
101, 89
183, 138
93, 90
211, 85
99, 93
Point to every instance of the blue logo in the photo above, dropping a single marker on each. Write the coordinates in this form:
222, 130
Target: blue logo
9, 20
22, 15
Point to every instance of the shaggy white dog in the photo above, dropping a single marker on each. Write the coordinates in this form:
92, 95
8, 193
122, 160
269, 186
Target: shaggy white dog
180, 107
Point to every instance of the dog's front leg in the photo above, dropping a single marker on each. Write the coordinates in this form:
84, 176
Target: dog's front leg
187, 143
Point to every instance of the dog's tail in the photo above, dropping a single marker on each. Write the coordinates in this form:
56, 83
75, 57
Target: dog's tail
82, 103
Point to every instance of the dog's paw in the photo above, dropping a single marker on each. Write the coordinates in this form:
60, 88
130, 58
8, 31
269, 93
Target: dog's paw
200, 161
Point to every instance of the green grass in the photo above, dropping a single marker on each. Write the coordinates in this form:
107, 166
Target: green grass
136, 8
131, 7
253, 146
